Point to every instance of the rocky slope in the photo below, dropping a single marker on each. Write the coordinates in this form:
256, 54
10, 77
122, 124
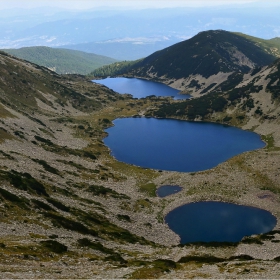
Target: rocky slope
201, 63
70, 210
240, 100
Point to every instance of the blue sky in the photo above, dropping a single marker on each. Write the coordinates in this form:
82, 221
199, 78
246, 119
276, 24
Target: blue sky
87, 4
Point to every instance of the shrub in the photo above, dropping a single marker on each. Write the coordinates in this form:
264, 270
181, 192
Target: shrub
99, 247
124, 217
42, 205
241, 258
201, 259
58, 204
21, 202
100, 190
54, 246
46, 166
69, 224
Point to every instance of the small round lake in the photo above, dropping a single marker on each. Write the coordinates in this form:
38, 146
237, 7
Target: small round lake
140, 88
218, 222
176, 145
167, 190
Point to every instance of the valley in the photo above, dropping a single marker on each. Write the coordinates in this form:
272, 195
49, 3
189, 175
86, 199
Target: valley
70, 210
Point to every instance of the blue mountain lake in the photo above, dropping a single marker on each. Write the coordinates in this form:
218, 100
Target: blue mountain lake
176, 145
218, 221
167, 190
140, 88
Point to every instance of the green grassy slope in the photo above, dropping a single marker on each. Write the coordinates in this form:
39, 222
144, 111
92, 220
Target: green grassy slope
271, 46
62, 61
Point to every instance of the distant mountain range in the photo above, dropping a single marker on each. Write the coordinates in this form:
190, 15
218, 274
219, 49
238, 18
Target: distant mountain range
126, 48
62, 61
95, 30
202, 62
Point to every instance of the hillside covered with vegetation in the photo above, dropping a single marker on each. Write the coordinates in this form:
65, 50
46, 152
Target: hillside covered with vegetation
206, 54
271, 46
237, 90
114, 69
62, 61
69, 209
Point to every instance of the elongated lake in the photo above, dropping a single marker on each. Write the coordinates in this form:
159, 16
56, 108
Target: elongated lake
218, 221
140, 88
176, 145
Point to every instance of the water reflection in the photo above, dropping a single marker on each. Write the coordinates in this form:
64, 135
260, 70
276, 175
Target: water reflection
218, 221
168, 190
140, 88
177, 145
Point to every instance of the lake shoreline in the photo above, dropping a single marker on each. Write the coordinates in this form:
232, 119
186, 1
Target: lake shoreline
181, 198
137, 147
212, 221
256, 127
141, 87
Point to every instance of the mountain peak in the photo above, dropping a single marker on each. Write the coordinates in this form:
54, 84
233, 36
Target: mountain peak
202, 61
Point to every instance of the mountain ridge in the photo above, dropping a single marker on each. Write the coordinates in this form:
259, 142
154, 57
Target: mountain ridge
125, 48
271, 46
62, 61
195, 64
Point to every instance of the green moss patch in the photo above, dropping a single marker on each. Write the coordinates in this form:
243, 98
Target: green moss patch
269, 140
149, 188
4, 135
152, 270
5, 113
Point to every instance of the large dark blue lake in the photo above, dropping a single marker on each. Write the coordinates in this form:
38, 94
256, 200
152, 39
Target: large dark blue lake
176, 145
140, 88
218, 221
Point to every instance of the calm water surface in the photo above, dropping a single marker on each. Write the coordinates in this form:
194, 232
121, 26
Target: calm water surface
166, 190
218, 221
177, 145
140, 88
